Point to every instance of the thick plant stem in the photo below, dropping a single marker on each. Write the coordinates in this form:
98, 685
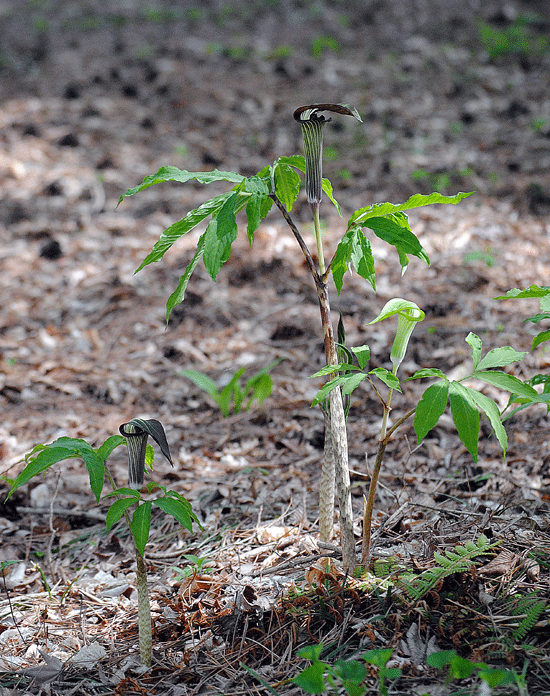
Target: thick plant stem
144, 613
338, 436
327, 489
343, 487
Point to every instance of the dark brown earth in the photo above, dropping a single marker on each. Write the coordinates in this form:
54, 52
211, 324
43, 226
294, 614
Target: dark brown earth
96, 95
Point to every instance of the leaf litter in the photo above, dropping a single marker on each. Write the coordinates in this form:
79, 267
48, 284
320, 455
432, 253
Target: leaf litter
85, 348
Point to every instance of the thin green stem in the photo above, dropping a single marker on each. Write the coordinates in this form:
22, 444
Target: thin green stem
385, 437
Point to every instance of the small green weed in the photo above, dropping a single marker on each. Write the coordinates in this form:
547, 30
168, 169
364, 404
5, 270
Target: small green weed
518, 39
321, 44
234, 397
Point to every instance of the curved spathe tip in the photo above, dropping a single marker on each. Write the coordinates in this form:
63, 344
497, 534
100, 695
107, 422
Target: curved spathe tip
312, 112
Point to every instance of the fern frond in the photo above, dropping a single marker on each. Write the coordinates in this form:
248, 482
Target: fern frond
529, 609
458, 561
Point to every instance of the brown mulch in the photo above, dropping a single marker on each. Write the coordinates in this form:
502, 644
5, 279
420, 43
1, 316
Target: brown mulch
95, 98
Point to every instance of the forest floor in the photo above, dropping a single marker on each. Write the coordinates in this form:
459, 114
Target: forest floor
94, 97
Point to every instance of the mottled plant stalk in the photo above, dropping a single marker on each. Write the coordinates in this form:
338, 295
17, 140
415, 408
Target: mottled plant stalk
335, 466
335, 470
145, 631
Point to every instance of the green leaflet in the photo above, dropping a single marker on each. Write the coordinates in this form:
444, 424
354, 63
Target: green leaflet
117, 509
96, 470
258, 204
179, 293
44, 456
506, 382
104, 450
500, 357
140, 526
219, 236
416, 201
542, 337
287, 184
492, 412
474, 342
177, 509
352, 382
354, 247
182, 176
178, 229
427, 372
465, 416
430, 408
202, 381
532, 291
395, 230
389, 379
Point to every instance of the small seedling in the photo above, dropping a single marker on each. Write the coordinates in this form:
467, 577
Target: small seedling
140, 454
344, 676
465, 401
234, 397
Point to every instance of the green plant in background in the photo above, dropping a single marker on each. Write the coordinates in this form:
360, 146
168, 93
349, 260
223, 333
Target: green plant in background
542, 294
461, 560
487, 257
140, 455
461, 668
516, 40
539, 124
234, 397
320, 44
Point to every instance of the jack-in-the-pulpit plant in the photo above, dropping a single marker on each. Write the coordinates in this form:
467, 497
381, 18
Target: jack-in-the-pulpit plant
140, 455
279, 184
